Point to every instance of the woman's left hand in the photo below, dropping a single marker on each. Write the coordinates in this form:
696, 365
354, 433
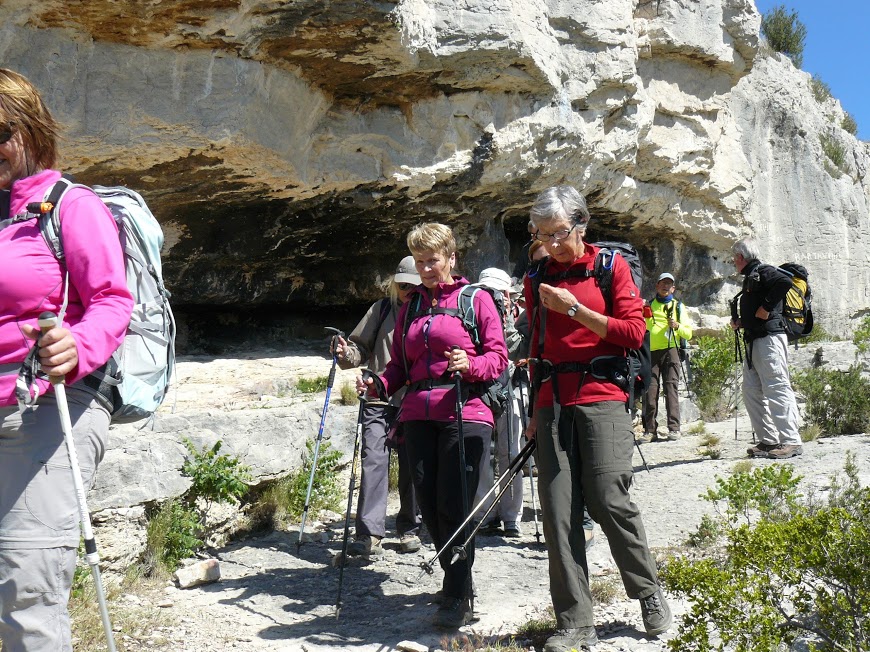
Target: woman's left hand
58, 352
457, 360
556, 299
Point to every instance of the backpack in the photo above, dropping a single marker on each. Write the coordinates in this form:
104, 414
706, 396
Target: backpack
634, 375
797, 309
136, 378
492, 393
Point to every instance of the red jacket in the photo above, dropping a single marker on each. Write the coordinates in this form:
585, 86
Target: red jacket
569, 341
429, 336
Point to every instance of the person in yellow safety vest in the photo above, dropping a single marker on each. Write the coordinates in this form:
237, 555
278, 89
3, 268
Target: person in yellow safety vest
669, 331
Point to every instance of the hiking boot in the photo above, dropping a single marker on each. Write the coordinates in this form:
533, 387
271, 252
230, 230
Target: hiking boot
579, 638
674, 435
365, 546
646, 437
655, 437
409, 542
512, 529
453, 613
761, 450
657, 616
784, 451
491, 529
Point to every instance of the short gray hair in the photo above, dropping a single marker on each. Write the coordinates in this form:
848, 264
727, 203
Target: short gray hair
560, 203
748, 248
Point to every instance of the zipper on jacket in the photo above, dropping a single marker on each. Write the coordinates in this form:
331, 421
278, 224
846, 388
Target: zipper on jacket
426, 327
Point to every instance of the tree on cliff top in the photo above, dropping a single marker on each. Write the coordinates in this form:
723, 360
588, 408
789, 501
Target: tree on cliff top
785, 33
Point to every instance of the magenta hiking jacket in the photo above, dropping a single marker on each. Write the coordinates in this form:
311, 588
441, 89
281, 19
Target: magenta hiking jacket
32, 280
429, 336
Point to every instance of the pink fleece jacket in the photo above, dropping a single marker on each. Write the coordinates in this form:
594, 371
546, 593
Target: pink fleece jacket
32, 279
428, 338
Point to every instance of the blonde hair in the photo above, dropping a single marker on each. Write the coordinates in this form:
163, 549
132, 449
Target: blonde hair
533, 249
432, 236
22, 109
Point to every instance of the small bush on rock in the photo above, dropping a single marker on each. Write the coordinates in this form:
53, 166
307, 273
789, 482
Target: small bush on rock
802, 573
821, 91
785, 33
836, 401
849, 124
713, 373
861, 336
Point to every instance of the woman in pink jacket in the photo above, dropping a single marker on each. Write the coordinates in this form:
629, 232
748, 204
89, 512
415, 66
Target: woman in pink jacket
39, 528
424, 360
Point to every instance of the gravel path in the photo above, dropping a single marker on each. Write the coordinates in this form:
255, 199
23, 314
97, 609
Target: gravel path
272, 597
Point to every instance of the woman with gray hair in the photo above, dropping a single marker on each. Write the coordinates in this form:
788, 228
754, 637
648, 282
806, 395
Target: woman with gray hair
580, 334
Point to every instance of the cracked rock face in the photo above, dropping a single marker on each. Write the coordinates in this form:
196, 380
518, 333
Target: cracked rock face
287, 147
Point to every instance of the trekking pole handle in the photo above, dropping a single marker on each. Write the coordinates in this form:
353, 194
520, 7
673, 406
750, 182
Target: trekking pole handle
46, 321
336, 333
456, 374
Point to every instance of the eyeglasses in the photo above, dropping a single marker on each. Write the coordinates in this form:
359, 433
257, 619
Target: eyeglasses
405, 287
6, 134
558, 235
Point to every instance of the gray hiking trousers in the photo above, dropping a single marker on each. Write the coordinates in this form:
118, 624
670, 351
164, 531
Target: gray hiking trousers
371, 511
584, 455
508, 429
39, 518
767, 392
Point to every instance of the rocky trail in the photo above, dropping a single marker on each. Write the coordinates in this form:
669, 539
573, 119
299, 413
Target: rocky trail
274, 597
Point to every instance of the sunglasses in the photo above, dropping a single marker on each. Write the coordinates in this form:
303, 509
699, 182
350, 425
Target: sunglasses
6, 134
405, 287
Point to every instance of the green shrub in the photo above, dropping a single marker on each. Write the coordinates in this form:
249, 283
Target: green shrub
172, 535
215, 478
708, 532
836, 154
861, 336
785, 33
312, 385
802, 573
284, 501
819, 334
770, 492
821, 91
849, 124
837, 401
713, 375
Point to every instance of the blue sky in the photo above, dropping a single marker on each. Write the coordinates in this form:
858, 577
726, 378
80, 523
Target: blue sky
837, 49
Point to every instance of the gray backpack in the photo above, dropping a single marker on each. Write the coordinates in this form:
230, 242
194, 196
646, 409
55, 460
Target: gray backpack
135, 380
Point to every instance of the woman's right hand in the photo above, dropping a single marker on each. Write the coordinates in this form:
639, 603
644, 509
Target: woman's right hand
340, 351
531, 429
364, 386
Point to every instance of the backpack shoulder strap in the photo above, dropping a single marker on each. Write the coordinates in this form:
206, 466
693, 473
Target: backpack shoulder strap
49, 220
467, 314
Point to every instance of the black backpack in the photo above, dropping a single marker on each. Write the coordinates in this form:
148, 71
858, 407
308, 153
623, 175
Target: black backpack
492, 393
797, 308
635, 374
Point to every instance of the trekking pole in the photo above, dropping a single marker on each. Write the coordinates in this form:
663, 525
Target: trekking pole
463, 467
516, 466
642, 458
429, 566
522, 375
47, 321
336, 334
352, 485
737, 357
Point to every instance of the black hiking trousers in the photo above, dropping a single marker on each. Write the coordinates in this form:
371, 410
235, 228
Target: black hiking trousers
433, 453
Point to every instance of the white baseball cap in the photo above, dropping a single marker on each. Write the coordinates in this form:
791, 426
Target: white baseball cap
495, 279
667, 275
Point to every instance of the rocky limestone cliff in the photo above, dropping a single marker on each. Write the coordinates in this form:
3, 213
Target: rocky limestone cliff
287, 147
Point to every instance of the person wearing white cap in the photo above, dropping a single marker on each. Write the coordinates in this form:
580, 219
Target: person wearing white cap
508, 426
371, 343
669, 331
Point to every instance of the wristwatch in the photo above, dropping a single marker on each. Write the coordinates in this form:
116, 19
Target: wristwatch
573, 309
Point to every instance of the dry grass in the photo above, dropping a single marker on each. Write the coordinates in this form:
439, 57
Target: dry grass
136, 620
